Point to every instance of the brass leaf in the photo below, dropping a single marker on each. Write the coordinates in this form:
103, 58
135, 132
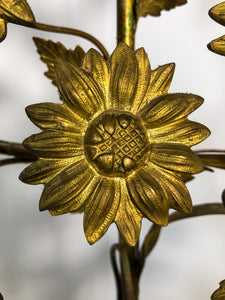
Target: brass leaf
154, 7
3, 29
18, 12
217, 13
49, 51
219, 294
218, 45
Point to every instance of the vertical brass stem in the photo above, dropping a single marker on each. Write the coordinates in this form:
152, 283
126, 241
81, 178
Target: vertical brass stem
126, 27
126, 22
128, 265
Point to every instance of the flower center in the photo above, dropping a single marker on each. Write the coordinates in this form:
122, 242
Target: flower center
115, 143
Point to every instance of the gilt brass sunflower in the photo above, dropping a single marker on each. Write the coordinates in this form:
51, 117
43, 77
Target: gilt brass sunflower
118, 146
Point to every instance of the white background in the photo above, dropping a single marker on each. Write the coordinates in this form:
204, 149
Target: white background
44, 257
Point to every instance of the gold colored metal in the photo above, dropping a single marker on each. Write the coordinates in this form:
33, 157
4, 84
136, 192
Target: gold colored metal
112, 148
217, 13
126, 22
18, 12
16, 150
213, 160
3, 30
218, 45
220, 293
65, 30
116, 143
154, 7
49, 51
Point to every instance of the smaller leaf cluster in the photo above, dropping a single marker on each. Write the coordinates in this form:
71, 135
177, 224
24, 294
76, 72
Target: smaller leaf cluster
154, 7
217, 13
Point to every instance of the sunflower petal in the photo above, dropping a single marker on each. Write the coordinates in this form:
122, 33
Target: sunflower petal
144, 73
159, 82
43, 170
101, 209
55, 144
128, 217
177, 193
183, 132
95, 64
78, 203
149, 197
78, 89
55, 116
123, 77
3, 30
176, 157
67, 185
169, 108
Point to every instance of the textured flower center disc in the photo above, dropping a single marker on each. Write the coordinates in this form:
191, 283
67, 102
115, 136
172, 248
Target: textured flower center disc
116, 143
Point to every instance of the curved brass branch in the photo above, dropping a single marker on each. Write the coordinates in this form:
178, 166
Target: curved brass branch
222, 151
148, 245
212, 157
10, 161
199, 210
71, 31
17, 150
114, 248
153, 234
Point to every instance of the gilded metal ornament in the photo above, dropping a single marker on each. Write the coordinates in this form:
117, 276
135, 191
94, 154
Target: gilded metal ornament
49, 51
154, 7
219, 294
217, 13
117, 145
18, 12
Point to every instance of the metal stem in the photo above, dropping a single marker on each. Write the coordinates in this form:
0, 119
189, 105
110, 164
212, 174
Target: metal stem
126, 22
65, 30
126, 27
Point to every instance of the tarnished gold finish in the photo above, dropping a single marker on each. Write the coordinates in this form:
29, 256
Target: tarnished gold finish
218, 45
217, 13
118, 144
49, 51
18, 12
126, 22
154, 7
220, 293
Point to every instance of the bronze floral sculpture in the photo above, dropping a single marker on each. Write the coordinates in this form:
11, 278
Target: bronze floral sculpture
118, 148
